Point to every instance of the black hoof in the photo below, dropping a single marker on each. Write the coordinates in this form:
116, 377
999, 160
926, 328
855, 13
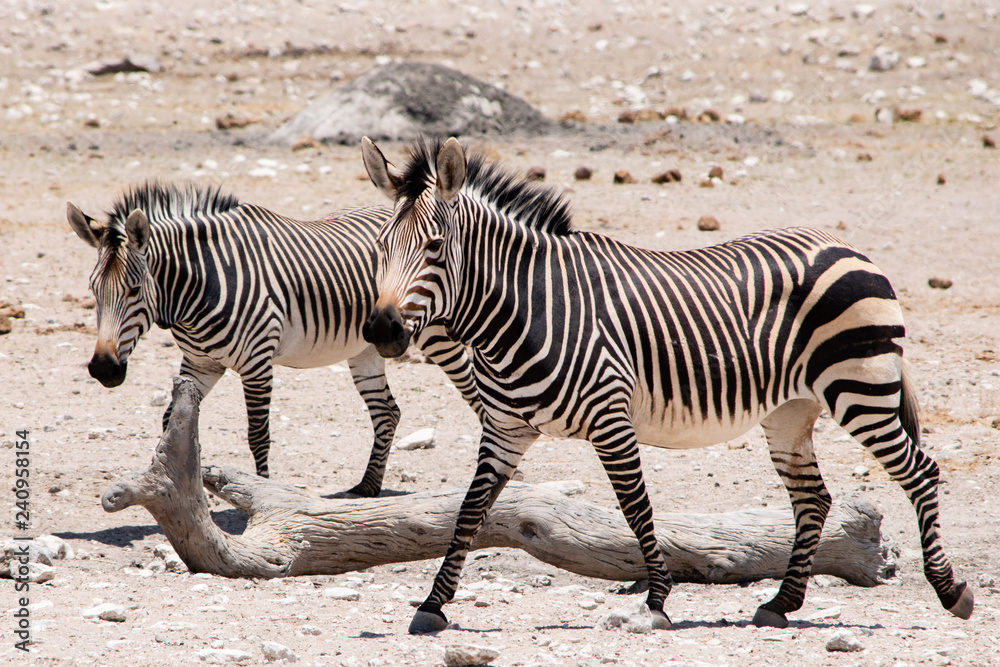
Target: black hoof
765, 618
362, 491
426, 622
966, 603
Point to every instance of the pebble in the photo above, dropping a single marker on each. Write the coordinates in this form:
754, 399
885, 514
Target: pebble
883, 60
623, 177
715, 172
863, 11
274, 651
107, 611
56, 546
843, 640
583, 173
633, 617
567, 487
823, 614
782, 96
158, 399
219, 656
708, 223
669, 176
336, 593
422, 439
988, 141
940, 283
313, 631
38, 573
469, 654
536, 174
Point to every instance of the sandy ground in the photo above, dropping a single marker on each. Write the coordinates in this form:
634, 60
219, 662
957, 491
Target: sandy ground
798, 159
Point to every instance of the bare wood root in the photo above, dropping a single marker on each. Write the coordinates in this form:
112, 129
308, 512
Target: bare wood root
292, 532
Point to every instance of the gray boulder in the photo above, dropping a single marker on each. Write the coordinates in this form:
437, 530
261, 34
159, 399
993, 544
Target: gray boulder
401, 101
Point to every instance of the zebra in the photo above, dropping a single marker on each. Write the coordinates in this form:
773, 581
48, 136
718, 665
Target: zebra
578, 335
243, 288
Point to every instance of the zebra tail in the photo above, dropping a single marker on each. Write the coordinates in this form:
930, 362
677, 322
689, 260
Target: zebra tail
909, 407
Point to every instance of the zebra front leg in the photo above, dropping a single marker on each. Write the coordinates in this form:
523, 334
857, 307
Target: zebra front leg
616, 445
789, 436
204, 372
368, 371
499, 454
452, 358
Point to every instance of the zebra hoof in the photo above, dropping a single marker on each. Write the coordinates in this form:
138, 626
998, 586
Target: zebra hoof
660, 620
765, 618
361, 491
963, 608
426, 622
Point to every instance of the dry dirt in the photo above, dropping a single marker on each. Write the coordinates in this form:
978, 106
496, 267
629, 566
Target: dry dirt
69, 136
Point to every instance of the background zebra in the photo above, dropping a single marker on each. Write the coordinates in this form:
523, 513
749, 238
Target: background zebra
578, 335
243, 288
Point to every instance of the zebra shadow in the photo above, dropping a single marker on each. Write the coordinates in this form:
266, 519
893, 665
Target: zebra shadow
385, 493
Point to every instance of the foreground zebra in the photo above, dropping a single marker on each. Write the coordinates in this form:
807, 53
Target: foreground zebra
240, 287
578, 335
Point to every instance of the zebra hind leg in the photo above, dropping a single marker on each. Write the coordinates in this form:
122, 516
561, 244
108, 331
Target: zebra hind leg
368, 372
789, 437
615, 442
257, 394
499, 453
889, 429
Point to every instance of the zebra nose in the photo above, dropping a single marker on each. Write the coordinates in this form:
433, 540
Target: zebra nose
107, 370
384, 329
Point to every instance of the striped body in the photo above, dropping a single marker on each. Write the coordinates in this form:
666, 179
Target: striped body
243, 288
578, 335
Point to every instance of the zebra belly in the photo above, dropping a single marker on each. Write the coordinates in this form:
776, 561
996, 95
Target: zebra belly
687, 434
298, 352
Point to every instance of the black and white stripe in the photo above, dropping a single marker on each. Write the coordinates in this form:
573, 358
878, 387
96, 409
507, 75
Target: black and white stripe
578, 335
243, 288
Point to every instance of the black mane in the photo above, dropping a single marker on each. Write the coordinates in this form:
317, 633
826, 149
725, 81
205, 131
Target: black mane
163, 201
493, 184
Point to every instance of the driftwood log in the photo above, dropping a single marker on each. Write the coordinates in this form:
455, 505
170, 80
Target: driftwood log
292, 532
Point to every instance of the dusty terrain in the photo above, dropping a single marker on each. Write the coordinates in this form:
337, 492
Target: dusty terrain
798, 159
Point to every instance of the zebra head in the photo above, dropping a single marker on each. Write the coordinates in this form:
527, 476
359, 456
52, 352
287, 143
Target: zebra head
121, 284
416, 252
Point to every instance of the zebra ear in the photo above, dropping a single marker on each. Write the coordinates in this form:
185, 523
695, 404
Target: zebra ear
450, 169
137, 230
383, 174
85, 227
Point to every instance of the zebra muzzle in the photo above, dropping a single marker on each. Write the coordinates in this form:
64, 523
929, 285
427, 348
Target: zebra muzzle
106, 369
385, 330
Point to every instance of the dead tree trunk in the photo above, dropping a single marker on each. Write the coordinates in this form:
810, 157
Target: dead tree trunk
291, 532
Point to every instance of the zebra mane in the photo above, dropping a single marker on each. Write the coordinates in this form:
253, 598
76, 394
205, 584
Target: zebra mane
492, 184
161, 201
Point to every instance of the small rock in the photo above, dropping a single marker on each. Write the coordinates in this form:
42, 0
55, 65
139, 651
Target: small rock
677, 112
304, 142
669, 176
108, 611
782, 96
313, 631
842, 226
57, 546
336, 593
824, 614
940, 283
715, 172
709, 116
883, 60
883, 115
159, 399
986, 580
219, 656
861, 471
647, 116
843, 640
862, 12
623, 177
231, 121
274, 651
422, 439
865, 157
906, 115
456, 655
574, 116
633, 617
14, 311
757, 97
5, 325
587, 604
916, 62
627, 117
536, 174
856, 118
708, 223
583, 173
988, 142
941, 180
568, 487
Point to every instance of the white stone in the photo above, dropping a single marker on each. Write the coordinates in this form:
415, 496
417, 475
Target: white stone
798, 9
158, 399
274, 651
38, 573
262, 172
219, 656
883, 60
422, 439
632, 617
916, 62
831, 613
57, 546
782, 96
339, 593
107, 611
567, 487
469, 654
843, 640
863, 11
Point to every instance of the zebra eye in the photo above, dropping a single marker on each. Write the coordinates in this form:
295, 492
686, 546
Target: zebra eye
134, 291
434, 245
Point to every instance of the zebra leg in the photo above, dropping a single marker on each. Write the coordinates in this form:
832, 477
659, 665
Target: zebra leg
452, 358
616, 445
368, 371
789, 436
257, 394
499, 454
204, 372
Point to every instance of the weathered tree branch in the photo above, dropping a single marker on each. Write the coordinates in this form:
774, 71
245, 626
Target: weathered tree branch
291, 532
